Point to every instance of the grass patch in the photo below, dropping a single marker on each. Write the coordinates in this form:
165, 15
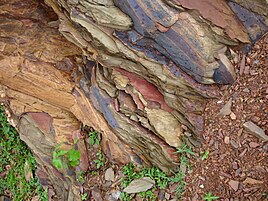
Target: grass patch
15, 156
204, 154
209, 197
162, 180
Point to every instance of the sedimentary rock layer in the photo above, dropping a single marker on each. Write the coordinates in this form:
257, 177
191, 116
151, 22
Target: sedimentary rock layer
137, 71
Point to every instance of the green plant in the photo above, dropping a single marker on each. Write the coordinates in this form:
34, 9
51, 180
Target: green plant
178, 177
57, 157
147, 195
17, 165
204, 154
94, 173
184, 161
43, 194
129, 174
73, 157
80, 177
94, 138
101, 160
185, 149
84, 196
58, 154
160, 178
125, 196
184, 152
209, 197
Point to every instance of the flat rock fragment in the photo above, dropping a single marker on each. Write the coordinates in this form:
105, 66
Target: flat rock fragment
109, 174
234, 184
226, 110
140, 185
255, 130
252, 181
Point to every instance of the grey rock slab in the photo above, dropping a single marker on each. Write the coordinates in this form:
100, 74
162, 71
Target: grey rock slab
109, 174
226, 110
140, 185
234, 144
255, 130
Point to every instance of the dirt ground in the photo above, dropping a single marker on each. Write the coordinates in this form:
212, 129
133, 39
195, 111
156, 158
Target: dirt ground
237, 164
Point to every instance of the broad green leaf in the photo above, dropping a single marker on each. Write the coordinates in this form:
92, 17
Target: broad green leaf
74, 163
73, 155
60, 153
91, 141
57, 163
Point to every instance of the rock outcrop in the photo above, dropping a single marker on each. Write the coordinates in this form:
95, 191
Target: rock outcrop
138, 71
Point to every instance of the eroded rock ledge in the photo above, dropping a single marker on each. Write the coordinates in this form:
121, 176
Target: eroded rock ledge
138, 71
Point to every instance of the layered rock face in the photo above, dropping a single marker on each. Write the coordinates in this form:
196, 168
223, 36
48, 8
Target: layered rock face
138, 71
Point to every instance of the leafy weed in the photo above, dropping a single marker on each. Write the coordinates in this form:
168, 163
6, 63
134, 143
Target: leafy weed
84, 196
185, 149
204, 154
209, 197
101, 160
94, 138
58, 155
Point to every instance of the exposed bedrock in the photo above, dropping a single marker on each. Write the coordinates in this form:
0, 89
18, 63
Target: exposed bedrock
138, 71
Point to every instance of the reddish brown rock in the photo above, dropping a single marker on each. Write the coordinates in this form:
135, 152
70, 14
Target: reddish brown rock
234, 184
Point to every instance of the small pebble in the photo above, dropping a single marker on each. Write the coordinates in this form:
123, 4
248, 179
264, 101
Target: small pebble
265, 148
235, 165
233, 116
234, 144
254, 144
202, 178
187, 134
167, 196
234, 184
237, 172
216, 145
246, 71
246, 90
243, 153
255, 119
226, 140
239, 133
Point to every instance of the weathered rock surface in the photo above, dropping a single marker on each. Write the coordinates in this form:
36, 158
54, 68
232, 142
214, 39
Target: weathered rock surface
138, 71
